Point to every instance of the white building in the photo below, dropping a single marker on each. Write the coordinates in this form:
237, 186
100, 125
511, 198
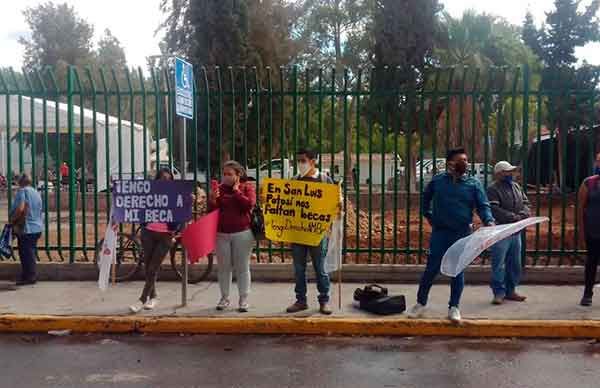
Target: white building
33, 115
371, 167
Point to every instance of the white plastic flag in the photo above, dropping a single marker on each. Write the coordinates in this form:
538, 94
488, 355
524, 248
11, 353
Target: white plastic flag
463, 252
107, 255
333, 259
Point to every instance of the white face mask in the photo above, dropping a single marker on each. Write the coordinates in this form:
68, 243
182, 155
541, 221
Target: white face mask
303, 169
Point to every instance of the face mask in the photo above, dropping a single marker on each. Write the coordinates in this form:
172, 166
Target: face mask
597, 170
460, 168
228, 180
303, 169
508, 179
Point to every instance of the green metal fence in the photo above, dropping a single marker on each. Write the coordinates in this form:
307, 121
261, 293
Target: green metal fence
383, 132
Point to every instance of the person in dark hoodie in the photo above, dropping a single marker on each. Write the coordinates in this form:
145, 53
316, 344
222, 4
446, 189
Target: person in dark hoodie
157, 241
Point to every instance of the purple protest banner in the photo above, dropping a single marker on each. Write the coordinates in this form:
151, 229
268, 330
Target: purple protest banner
148, 201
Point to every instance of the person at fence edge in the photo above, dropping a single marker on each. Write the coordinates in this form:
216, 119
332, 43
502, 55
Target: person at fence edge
157, 241
235, 198
448, 203
26, 217
509, 204
307, 161
589, 235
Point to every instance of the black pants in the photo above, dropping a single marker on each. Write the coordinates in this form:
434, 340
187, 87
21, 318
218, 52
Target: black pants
27, 254
156, 246
591, 265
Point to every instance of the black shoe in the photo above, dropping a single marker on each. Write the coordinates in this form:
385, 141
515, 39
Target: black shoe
586, 301
25, 282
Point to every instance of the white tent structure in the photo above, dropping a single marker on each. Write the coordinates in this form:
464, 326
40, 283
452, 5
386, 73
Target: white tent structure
34, 113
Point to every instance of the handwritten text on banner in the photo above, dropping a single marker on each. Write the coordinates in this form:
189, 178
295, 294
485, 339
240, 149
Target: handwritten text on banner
297, 211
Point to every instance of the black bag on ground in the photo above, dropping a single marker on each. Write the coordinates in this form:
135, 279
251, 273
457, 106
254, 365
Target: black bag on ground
369, 293
375, 299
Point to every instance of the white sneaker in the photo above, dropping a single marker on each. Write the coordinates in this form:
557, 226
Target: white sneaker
244, 306
151, 304
418, 311
136, 307
454, 314
223, 304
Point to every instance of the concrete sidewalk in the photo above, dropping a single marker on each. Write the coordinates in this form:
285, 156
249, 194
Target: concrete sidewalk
271, 299
550, 311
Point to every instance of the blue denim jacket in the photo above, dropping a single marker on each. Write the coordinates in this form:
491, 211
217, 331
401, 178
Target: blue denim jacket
449, 202
34, 220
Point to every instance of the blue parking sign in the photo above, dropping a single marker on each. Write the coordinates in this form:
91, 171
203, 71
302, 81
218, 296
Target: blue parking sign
184, 89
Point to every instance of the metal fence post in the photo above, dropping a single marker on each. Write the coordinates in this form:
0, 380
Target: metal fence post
317, 107
72, 199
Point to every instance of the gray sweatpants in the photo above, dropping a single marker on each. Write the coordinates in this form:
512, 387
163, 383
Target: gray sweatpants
233, 253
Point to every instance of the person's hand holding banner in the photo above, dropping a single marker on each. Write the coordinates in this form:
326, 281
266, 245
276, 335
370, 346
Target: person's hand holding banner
298, 211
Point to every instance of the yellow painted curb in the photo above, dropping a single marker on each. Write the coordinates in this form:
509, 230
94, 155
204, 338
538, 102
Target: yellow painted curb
302, 326
80, 324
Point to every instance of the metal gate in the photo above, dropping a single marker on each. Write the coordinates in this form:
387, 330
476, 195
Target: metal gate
381, 132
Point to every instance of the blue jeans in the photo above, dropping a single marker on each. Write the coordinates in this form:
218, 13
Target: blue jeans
300, 255
27, 254
506, 265
439, 243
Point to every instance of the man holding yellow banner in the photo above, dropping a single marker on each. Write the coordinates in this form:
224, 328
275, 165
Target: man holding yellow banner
301, 212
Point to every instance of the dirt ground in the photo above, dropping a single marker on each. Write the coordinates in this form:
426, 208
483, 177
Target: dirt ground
408, 235
406, 239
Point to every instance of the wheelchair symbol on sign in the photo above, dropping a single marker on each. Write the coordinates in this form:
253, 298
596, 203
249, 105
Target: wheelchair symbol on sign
185, 82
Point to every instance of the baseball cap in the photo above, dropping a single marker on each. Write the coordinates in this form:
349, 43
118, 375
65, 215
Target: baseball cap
503, 166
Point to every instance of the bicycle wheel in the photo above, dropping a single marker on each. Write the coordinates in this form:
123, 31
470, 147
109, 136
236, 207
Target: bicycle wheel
194, 276
129, 256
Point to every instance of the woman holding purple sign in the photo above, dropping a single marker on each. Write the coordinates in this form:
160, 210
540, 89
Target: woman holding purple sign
157, 240
235, 197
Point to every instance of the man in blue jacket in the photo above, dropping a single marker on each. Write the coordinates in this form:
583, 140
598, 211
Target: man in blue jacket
448, 203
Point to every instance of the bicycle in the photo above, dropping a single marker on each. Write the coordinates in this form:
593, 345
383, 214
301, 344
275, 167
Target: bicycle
130, 258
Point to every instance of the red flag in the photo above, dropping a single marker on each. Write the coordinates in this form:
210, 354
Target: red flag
200, 237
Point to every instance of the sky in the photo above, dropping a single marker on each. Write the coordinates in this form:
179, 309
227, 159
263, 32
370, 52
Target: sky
514, 11
134, 23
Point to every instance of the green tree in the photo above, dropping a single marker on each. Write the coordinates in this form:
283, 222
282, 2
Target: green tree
60, 38
58, 34
110, 53
466, 40
249, 33
480, 40
482, 46
109, 56
333, 33
403, 35
208, 32
567, 27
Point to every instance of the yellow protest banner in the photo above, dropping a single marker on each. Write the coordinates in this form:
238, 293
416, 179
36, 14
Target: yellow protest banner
297, 211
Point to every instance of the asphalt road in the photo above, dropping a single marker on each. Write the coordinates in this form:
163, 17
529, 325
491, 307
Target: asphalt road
255, 361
